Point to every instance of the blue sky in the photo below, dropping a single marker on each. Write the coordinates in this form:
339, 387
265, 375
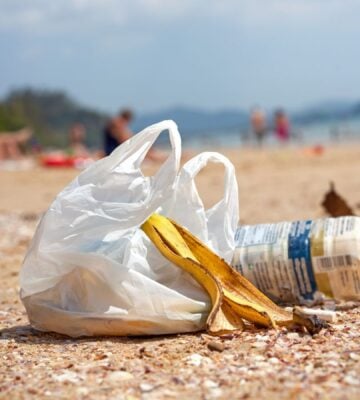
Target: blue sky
152, 54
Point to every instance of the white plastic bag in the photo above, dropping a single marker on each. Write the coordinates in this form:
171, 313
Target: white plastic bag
90, 269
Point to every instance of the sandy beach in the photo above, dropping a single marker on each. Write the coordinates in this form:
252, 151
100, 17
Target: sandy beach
274, 185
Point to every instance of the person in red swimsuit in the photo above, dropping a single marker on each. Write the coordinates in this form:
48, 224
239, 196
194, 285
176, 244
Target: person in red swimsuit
282, 126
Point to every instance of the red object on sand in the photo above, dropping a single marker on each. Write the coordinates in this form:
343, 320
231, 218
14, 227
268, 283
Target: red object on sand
58, 160
316, 150
64, 161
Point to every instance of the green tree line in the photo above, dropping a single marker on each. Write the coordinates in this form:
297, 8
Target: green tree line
50, 114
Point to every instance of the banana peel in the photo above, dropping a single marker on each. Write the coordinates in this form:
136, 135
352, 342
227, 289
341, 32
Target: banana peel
233, 298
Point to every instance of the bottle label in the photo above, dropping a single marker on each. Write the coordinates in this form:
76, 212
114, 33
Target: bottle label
299, 254
262, 256
290, 261
337, 262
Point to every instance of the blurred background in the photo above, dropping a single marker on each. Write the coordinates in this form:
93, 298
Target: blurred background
272, 84
227, 72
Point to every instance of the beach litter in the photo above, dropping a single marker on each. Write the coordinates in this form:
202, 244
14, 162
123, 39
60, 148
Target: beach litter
233, 298
302, 262
90, 269
138, 255
335, 205
255, 363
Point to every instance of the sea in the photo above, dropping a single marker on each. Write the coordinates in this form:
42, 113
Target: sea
309, 134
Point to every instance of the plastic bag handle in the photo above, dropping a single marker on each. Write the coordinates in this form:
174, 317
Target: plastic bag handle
199, 162
224, 213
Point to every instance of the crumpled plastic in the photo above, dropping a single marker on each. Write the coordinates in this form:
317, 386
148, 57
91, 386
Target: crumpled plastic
90, 270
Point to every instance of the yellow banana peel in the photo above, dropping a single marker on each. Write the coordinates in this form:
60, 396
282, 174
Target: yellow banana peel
234, 299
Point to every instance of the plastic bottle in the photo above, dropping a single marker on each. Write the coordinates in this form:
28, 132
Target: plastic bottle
296, 261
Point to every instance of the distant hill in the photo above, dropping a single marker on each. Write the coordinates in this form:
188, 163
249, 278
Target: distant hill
328, 111
51, 114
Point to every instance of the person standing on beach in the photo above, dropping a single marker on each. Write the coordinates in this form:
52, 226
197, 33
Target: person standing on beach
281, 126
258, 124
77, 135
117, 131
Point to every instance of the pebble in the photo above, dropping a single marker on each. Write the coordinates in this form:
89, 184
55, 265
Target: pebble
209, 384
354, 356
67, 376
216, 346
350, 380
82, 391
100, 356
332, 363
146, 387
259, 345
293, 336
309, 369
274, 360
120, 376
258, 358
215, 393
194, 359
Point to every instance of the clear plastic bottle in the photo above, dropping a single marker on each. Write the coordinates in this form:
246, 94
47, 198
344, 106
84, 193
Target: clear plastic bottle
293, 261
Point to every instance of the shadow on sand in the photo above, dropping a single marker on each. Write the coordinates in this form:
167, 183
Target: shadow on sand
25, 334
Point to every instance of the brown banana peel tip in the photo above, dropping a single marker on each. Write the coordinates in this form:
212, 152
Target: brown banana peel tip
233, 297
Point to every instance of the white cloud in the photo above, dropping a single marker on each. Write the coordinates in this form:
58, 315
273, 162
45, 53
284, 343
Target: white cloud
298, 12
139, 17
67, 42
17, 15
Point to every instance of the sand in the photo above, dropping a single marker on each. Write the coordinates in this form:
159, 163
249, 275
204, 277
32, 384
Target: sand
274, 185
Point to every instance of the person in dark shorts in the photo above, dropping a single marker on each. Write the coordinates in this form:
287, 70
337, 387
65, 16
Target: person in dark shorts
258, 124
117, 131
